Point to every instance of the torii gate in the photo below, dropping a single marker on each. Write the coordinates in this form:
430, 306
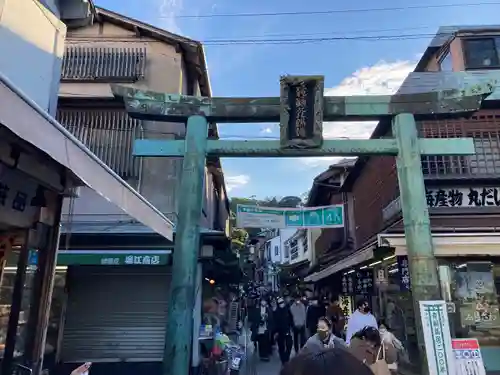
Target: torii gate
301, 110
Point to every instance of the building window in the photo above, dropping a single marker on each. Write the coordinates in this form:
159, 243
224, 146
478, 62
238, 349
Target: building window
487, 157
276, 251
109, 134
445, 63
481, 53
287, 250
305, 245
103, 64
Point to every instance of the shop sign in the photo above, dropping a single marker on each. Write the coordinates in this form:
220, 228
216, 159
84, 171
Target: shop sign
348, 284
468, 357
16, 193
114, 258
437, 337
364, 282
302, 217
464, 197
404, 272
381, 277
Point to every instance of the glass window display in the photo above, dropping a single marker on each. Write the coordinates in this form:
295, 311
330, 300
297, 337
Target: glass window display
474, 293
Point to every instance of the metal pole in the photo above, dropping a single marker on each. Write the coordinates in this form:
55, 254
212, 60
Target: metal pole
16, 306
178, 337
421, 259
51, 248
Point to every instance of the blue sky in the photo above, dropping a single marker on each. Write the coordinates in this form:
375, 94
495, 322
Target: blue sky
350, 67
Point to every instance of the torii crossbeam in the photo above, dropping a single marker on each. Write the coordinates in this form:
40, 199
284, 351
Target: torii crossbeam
301, 110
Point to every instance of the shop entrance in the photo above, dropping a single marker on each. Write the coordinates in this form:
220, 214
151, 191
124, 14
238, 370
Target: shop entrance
27, 260
300, 110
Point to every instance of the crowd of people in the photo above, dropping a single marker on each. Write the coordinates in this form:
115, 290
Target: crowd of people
317, 328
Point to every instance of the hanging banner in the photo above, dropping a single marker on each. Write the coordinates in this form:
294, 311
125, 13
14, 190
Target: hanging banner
437, 337
281, 218
468, 357
404, 273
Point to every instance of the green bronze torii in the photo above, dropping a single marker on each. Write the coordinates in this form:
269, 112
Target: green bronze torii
301, 110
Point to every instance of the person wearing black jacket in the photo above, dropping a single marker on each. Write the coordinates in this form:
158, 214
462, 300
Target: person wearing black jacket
315, 310
283, 325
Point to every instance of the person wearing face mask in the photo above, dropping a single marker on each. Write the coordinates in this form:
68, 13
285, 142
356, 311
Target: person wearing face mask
315, 310
323, 338
263, 338
283, 325
298, 310
360, 319
388, 338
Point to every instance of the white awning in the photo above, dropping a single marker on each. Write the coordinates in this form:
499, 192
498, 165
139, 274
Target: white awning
450, 244
356, 258
30, 122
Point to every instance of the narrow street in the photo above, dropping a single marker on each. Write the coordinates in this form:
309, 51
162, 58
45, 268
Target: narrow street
254, 366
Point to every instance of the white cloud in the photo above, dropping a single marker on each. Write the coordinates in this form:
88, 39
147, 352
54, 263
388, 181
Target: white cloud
383, 78
234, 182
269, 129
168, 11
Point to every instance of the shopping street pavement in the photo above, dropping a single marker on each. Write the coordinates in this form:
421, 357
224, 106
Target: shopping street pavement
254, 366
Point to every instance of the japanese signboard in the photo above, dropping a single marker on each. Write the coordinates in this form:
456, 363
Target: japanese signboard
468, 357
364, 282
348, 282
464, 197
451, 197
301, 109
381, 279
16, 193
404, 273
114, 258
301, 217
437, 337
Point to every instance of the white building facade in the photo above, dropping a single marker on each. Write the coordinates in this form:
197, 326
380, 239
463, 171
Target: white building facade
276, 255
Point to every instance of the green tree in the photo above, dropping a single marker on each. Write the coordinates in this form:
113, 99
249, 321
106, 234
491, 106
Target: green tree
238, 238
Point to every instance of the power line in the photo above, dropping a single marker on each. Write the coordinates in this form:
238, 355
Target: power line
337, 11
334, 32
368, 38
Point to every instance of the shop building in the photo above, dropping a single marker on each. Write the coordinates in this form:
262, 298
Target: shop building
41, 163
116, 272
462, 198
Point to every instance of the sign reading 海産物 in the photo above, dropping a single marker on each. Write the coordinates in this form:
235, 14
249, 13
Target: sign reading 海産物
301, 111
301, 217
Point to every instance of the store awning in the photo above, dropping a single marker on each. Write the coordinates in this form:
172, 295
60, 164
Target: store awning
350, 261
30, 122
449, 244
